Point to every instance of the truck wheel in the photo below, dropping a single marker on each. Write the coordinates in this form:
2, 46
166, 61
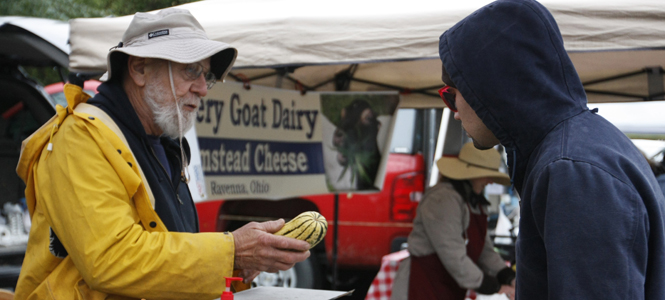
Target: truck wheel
304, 274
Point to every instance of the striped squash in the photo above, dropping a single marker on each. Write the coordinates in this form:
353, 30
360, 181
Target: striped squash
309, 226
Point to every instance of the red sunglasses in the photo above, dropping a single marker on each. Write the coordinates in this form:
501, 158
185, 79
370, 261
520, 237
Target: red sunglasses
448, 97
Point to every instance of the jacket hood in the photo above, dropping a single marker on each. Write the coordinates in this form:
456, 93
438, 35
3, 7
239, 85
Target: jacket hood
508, 61
118, 106
32, 147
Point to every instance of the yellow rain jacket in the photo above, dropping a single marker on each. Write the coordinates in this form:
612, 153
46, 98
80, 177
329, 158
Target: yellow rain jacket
84, 184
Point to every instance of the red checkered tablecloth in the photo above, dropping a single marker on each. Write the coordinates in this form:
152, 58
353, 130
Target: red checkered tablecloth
382, 286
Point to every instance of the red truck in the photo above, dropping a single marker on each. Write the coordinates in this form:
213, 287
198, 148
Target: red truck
371, 223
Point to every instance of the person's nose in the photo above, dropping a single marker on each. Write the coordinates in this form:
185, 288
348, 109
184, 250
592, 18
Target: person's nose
200, 86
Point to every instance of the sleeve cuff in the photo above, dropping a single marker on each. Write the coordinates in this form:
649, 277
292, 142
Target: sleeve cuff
490, 285
505, 276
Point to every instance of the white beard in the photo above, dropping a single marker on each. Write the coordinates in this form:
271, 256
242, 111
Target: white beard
165, 114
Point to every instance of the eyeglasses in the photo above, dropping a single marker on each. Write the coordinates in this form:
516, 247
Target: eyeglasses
448, 97
194, 70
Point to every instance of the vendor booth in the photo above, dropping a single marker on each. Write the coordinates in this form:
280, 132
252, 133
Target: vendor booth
312, 48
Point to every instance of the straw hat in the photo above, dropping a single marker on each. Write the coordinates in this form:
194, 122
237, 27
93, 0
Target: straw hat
172, 34
473, 163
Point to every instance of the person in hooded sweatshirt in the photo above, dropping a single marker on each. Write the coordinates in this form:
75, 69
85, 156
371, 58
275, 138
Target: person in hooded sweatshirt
112, 216
591, 223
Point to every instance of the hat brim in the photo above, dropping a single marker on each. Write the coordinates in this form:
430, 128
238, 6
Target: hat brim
183, 51
453, 168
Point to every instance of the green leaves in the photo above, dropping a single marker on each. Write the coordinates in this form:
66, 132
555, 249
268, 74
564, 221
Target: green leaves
358, 159
69, 9
54, 9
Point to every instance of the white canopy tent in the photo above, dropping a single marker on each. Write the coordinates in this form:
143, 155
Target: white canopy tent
380, 45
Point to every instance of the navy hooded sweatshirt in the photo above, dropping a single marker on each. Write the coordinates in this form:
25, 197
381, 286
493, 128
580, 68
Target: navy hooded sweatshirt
591, 222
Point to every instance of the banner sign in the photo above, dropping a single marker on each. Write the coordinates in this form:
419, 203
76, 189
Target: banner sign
267, 143
356, 138
262, 143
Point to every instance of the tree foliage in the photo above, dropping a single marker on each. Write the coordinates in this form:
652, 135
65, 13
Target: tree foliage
68, 9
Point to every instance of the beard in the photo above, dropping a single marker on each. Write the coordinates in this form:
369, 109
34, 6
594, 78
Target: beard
169, 116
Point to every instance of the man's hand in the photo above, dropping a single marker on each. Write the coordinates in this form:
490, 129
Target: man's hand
508, 290
258, 249
248, 275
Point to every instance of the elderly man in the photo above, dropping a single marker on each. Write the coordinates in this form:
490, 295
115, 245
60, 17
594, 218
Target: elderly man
592, 217
106, 181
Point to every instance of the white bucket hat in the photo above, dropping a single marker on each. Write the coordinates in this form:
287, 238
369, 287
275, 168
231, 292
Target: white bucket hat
172, 34
473, 163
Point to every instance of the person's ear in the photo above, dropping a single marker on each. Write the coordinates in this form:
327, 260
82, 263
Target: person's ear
136, 70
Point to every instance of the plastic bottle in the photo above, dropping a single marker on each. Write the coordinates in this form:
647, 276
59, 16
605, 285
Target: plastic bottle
227, 295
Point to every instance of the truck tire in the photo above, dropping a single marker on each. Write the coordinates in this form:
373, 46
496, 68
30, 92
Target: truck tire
305, 274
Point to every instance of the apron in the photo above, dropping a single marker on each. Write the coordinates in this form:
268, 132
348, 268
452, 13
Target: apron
428, 279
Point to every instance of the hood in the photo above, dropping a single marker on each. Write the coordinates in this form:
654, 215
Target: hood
113, 99
32, 147
508, 61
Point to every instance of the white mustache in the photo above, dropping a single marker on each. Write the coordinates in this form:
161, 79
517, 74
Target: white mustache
184, 102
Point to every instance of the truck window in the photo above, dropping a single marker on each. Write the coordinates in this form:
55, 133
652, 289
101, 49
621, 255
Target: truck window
408, 134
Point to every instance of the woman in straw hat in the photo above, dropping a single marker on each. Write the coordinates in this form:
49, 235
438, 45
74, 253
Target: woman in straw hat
450, 250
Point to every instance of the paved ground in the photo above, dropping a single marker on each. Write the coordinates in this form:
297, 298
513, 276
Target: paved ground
356, 280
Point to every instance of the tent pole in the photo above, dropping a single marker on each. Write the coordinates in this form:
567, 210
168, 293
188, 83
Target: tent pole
334, 254
611, 78
599, 92
401, 89
655, 83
